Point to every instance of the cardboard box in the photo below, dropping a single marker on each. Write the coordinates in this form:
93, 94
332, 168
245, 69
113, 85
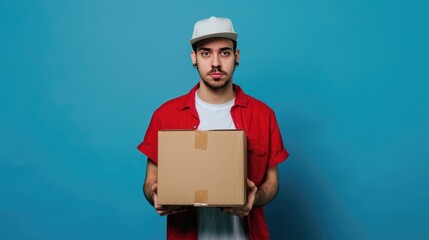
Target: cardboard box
202, 168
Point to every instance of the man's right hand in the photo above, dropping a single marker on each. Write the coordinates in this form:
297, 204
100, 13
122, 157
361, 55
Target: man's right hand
165, 210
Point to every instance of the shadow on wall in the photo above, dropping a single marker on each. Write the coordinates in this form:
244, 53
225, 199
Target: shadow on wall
307, 206
291, 214
32, 208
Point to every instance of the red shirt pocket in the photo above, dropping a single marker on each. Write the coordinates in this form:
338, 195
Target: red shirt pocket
257, 161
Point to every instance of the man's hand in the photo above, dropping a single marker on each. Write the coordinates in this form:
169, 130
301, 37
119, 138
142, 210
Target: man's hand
150, 189
164, 210
244, 210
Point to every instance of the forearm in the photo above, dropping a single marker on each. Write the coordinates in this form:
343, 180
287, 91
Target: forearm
147, 190
150, 180
268, 190
265, 194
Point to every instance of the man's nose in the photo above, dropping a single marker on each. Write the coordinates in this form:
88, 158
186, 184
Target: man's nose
215, 61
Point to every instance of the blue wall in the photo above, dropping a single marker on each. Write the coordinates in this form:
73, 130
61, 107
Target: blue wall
348, 81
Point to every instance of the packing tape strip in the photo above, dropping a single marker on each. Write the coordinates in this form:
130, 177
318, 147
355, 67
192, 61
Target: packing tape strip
201, 198
201, 140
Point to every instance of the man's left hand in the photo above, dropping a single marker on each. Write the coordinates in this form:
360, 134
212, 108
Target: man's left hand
246, 208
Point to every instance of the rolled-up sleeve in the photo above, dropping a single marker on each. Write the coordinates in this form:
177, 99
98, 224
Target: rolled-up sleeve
149, 146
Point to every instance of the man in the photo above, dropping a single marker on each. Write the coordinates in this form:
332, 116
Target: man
216, 103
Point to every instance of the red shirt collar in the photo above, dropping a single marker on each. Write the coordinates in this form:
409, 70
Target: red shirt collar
189, 100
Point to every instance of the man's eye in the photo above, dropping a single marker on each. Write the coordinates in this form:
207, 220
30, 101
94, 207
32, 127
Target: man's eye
205, 54
226, 53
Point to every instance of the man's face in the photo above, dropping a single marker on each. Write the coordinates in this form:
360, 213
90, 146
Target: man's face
216, 60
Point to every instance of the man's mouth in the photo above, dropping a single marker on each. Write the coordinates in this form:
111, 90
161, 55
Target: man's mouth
216, 74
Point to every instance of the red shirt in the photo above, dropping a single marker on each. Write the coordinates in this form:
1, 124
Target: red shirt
264, 144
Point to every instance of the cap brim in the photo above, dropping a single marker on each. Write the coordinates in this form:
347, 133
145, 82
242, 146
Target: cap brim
228, 35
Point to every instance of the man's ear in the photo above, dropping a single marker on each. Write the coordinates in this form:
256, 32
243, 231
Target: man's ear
237, 56
193, 58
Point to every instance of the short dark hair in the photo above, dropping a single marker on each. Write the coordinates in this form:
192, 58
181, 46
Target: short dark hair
195, 46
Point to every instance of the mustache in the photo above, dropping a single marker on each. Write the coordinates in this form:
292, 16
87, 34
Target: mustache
216, 69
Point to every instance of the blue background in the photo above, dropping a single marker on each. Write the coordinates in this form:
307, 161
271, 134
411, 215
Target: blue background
348, 80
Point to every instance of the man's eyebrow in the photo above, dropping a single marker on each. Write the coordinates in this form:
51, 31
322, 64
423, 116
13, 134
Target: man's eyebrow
209, 49
204, 49
225, 48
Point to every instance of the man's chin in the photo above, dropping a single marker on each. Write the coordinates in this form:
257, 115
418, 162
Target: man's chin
217, 85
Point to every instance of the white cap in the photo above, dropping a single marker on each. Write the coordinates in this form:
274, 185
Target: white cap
213, 27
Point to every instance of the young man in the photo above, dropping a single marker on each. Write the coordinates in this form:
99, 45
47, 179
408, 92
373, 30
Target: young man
216, 103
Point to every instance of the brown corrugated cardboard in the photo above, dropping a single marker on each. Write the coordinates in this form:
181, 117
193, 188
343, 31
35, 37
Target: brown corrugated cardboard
202, 168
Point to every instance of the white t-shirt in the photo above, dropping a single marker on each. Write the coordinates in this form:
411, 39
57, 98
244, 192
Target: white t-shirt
212, 223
